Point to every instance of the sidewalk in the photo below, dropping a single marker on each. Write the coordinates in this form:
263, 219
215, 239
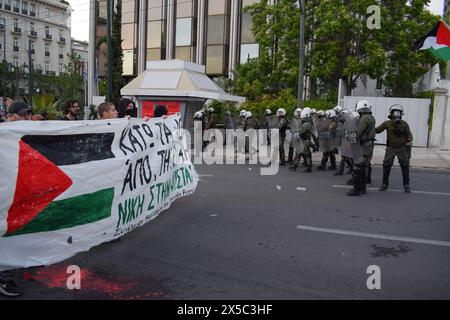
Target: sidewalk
420, 158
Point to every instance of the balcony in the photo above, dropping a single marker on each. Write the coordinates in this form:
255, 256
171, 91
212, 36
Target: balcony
33, 34
62, 40
50, 73
48, 37
24, 11
2, 27
47, 53
7, 7
16, 9
17, 30
61, 56
16, 49
32, 13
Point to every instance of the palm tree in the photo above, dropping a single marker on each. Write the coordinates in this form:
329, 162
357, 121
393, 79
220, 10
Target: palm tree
46, 104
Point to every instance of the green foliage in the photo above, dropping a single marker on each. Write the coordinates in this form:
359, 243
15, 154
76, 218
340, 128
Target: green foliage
339, 46
46, 103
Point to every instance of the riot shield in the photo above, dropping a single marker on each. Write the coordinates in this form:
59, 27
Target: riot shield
350, 145
295, 135
324, 135
272, 122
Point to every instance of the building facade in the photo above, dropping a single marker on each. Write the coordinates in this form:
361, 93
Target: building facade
41, 27
81, 48
214, 33
447, 10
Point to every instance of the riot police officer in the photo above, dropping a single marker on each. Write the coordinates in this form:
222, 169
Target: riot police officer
295, 121
366, 135
305, 132
282, 127
327, 140
399, 144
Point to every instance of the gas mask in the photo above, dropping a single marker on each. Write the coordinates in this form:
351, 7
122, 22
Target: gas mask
396, 116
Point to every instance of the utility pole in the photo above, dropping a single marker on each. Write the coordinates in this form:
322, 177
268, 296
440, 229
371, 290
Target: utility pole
301, 71
30, 76
4, 57
109, 40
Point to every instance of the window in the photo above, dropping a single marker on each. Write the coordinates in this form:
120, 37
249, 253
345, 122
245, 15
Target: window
128, 11
32, 45
47, 49
155, 10
47, 12
16, 44
31, 26
128, 62
24, 7
248, 2
184, 53
184, 32
16, 23
47, 67
47, 30
61, 51
246, 31
128, 36
1, 3
32, 8
154, 34
184, 9
214, 59
16, 62
61, 68
16, 5
216, 30
154, 54
249, 51
216, 7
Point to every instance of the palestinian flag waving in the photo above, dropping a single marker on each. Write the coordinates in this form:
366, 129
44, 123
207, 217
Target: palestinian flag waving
437, 41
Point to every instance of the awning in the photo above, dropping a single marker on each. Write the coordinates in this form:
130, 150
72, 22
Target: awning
176, 78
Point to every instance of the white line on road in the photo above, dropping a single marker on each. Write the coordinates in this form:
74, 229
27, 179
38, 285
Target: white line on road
397, 190
375, 236
205, 175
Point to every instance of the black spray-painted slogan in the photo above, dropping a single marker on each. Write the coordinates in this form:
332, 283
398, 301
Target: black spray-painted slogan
158, 170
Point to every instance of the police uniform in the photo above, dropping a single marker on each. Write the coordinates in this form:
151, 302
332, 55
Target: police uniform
282, 127
399, 142
366, 136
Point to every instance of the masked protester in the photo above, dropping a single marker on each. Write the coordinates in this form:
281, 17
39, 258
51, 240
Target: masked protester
126, 107
399, 144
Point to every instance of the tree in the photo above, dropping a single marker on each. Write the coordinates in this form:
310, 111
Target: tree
117, 55
339, 43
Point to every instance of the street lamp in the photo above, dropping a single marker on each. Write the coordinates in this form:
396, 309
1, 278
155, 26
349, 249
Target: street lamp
301, 54
4, 56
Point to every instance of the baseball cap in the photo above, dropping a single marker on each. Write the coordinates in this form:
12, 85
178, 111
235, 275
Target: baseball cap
20, 108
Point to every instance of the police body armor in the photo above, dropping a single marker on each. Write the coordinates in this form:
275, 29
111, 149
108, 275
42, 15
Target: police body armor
324, 135
297, 143
350, 145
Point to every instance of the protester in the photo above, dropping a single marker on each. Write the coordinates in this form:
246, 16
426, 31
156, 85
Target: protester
107, 110
18, 111
72, 111
7, 101
125, 108
160, 111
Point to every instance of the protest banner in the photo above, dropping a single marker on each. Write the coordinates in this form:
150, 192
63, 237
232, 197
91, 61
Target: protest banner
67, 186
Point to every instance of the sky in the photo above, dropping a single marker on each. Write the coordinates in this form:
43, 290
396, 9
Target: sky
80, 16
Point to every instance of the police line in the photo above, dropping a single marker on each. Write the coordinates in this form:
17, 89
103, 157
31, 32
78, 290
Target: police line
69, 186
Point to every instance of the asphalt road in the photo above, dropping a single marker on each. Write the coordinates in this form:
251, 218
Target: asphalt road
238, 237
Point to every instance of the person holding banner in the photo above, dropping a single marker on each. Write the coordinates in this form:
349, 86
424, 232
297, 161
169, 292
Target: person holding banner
72, 111
18, 111
107, 110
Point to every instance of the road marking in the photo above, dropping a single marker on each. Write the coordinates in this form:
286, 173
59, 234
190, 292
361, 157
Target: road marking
205, 175
397, 190
375, 236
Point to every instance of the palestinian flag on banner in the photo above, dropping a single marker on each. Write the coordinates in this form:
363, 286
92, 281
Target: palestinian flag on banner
41, 179
437, 41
